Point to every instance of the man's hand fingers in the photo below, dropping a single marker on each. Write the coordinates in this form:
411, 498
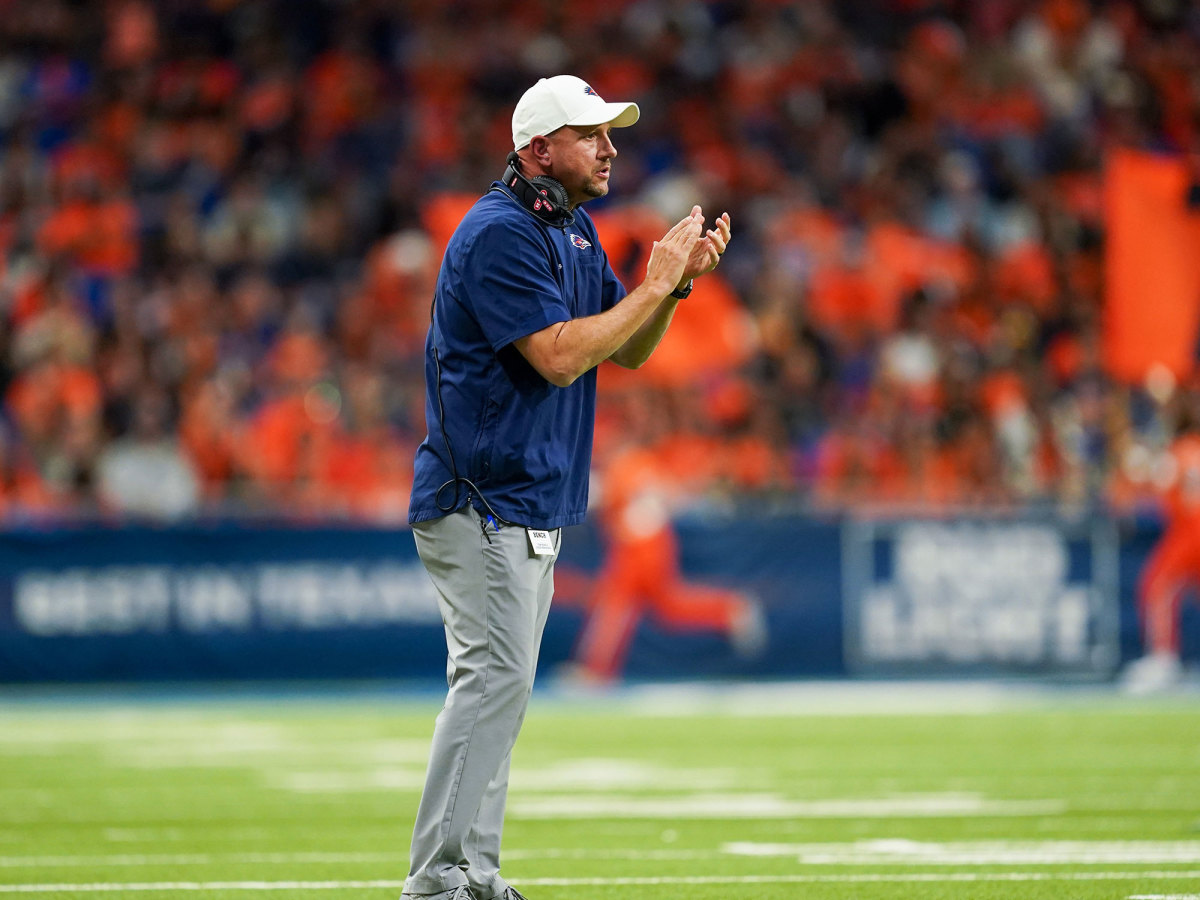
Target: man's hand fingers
683, 224
720, 235
722, 225
685, 234
717, 240
677, 227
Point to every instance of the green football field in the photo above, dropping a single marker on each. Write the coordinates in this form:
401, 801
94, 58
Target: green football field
752, 791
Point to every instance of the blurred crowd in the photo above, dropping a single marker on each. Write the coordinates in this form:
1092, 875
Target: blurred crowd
220, 223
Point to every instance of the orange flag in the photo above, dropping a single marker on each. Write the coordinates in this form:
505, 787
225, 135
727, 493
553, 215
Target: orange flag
1152, 266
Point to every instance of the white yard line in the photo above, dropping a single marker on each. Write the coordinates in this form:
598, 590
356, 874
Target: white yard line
323, 857
774, 806
848, 698
189, 859
975, 853
195, 886
891, 851
879, 878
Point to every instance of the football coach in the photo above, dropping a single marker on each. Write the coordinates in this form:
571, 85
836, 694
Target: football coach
526, 306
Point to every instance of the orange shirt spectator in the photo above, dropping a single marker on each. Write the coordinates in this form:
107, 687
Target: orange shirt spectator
43, 394
341, 91
209, 435
98, 236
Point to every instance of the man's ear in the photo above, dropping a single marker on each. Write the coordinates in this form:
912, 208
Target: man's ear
539, 147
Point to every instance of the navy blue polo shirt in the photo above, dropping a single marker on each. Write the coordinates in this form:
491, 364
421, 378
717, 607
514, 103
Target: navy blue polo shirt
525, 443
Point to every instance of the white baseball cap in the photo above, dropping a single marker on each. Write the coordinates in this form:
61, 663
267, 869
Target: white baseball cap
565, 100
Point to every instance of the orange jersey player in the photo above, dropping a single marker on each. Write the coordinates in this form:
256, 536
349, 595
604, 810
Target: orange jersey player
1171, 569
641, 574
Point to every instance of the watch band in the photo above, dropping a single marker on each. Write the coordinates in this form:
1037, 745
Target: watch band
679, 294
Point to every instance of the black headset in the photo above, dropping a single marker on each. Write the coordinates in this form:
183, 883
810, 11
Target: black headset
542, 195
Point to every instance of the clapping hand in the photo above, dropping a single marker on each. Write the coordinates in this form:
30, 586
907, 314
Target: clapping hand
708, 250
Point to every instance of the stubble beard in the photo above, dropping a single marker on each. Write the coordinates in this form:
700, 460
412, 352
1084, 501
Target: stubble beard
594, 188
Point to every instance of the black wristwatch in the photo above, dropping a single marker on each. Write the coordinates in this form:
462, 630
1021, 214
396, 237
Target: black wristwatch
682, 294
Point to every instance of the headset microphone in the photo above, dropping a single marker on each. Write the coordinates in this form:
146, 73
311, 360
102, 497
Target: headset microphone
542, 195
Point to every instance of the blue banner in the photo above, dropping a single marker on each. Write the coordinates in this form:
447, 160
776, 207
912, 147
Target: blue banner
221, 602
238, 602
981, 595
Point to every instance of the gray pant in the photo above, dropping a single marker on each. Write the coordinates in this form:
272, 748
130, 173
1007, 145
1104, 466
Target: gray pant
494, 594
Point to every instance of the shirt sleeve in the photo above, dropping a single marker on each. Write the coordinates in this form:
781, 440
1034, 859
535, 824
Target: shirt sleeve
511, 284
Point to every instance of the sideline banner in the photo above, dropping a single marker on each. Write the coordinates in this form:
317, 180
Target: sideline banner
241, 602
982, 596
214, 602
910, 597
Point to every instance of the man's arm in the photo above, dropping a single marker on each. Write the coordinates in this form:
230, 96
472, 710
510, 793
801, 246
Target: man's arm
637, 349
564, 351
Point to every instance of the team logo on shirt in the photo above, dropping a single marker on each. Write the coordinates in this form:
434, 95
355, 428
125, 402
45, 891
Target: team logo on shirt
580, 242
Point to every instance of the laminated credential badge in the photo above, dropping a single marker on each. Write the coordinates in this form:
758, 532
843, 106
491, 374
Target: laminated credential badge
540, 542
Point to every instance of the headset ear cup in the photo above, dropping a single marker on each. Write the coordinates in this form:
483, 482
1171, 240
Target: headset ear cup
554, 192
542, 195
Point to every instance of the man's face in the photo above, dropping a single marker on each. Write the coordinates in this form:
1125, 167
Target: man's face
581, 158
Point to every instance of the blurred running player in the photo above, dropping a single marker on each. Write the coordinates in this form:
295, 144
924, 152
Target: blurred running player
641, 576
1172, 568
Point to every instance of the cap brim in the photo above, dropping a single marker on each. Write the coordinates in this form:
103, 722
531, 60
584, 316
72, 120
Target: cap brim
618, 115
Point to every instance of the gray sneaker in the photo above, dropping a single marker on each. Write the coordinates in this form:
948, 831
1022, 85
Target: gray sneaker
510, 893
462, 892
